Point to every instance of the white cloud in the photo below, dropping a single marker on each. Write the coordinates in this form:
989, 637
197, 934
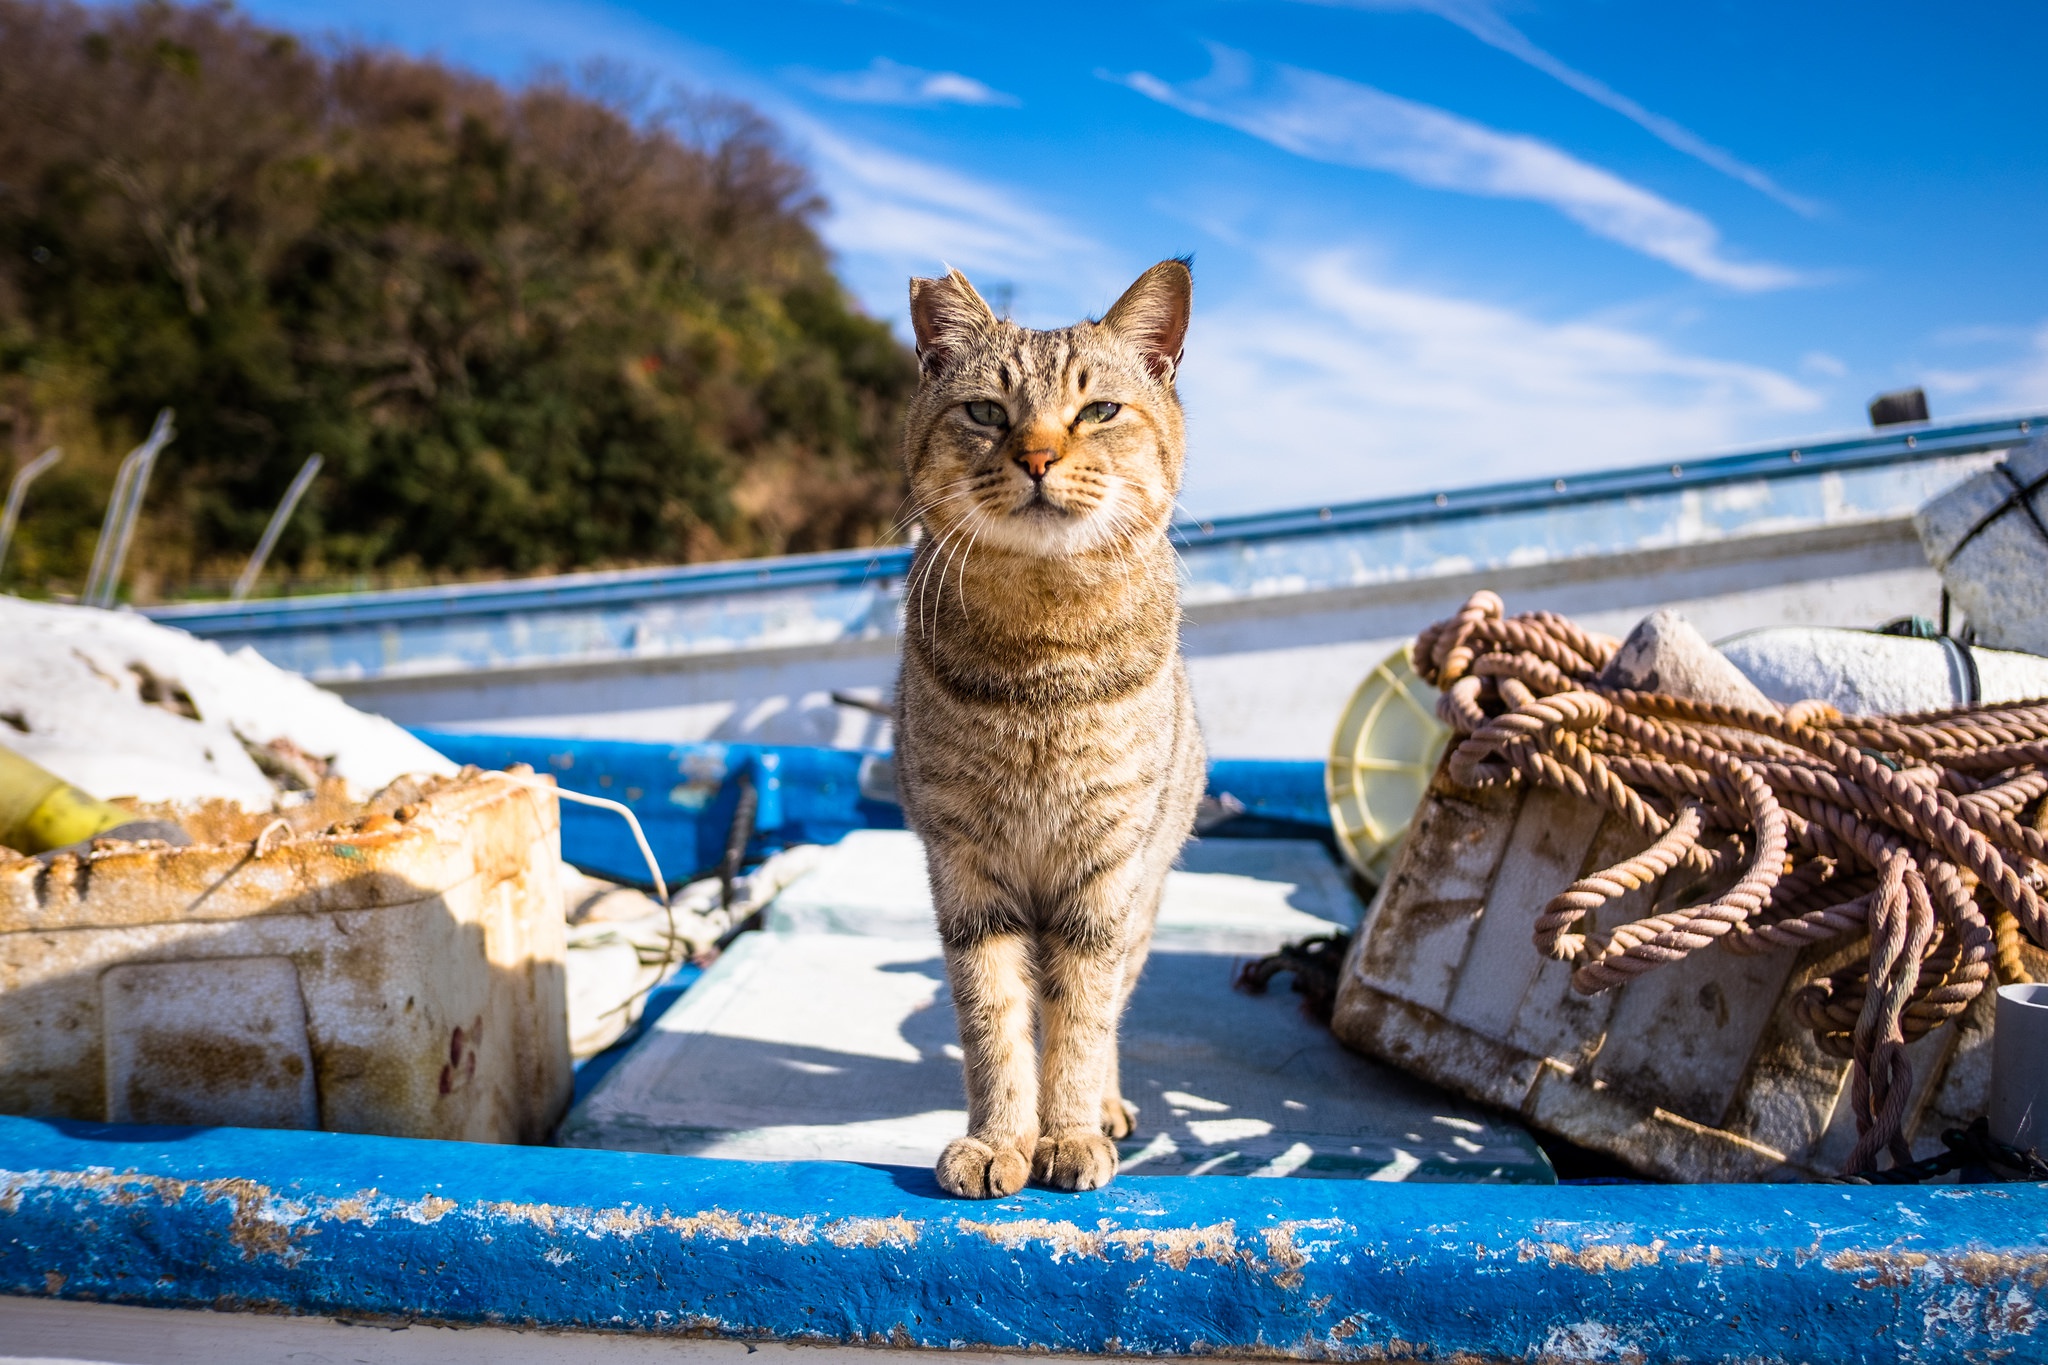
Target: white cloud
1482, 19
1328, 382
887, 82
2016, 380
893, 216
1326, 118
1820, 362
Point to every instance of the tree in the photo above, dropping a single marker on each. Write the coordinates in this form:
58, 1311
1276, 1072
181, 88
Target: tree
529, 329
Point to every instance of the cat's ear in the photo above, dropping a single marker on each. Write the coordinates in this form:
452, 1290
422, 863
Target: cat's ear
946, 315
1153, 314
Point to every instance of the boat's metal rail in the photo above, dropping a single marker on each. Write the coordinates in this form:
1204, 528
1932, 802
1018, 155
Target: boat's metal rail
386, 1230
808, 601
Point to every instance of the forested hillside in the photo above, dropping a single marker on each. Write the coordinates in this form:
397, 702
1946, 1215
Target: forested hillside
573, 324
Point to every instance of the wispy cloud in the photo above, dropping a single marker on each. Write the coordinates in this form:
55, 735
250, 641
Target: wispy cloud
1482, 19
887, 82
2016, 379
894, 215
1330, 119
1326, 381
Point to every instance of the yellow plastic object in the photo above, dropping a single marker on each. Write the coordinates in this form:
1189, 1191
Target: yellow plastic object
1385, 752
40, 810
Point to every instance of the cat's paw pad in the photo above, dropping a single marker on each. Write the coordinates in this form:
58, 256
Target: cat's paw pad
971, 1169
1078, 1159
1119, 1117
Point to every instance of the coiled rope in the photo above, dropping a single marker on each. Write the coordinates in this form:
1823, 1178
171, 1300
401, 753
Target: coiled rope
1783, 829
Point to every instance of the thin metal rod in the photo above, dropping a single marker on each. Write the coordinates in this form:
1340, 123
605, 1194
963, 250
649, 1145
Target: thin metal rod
17, 494
117, 532
253, 570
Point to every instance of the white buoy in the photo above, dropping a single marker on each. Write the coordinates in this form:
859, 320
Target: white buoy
2019, 1065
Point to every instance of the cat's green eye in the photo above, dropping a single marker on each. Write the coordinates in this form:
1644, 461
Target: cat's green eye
988, 414
1100, 412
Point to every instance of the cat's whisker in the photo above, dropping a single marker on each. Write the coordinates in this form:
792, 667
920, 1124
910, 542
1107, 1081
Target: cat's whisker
924, 581
960, 585
904, 523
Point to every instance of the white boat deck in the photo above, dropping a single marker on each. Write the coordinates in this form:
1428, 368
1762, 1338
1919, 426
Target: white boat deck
830, 1035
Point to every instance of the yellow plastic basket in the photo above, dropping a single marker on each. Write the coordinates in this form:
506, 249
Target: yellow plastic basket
1386, 748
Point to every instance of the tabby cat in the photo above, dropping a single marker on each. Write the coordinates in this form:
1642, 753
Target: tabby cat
1046, 744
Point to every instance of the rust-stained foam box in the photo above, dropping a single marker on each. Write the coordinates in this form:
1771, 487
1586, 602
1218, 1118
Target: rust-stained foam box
1694, 1072
393, 968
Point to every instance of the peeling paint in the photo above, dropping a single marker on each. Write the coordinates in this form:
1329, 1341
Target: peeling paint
1594, 1258
896, 1232
431, 1209
1284, 1250
1174, 1247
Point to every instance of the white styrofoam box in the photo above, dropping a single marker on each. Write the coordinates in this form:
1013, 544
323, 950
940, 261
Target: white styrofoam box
399, 971
1695, 1072
1225, 896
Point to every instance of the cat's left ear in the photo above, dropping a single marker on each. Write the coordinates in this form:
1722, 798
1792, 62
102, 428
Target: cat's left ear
1153, 313
947, 315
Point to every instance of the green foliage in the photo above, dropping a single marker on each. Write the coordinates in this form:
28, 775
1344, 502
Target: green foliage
531, 329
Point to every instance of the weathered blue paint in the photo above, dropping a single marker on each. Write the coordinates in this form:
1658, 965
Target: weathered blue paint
380, 1228
1283, 798
814, 600
684, 796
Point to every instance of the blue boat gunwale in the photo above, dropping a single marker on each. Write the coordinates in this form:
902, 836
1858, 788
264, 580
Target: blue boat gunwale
397, 1230
854, 568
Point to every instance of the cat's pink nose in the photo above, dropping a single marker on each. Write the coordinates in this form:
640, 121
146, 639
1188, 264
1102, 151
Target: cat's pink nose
1036, 462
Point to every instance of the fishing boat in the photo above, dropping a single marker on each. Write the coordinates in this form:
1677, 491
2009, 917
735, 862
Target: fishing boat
730, 1183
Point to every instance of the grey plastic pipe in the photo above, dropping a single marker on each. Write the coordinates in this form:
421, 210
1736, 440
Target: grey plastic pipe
17, 494
2019, 1065
253, 570
117, 531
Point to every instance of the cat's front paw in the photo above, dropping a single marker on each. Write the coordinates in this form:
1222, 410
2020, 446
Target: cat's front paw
971, 1169
1119, 1117
1078, 1159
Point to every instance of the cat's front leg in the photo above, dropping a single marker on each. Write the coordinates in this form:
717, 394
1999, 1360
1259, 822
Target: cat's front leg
991, 980
1080, 992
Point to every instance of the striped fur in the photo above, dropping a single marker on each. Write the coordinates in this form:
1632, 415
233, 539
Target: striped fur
1046, 745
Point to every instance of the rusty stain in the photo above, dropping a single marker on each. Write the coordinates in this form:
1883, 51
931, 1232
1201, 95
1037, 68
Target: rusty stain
1979, 1269
1888, 1269
431, 1209
628, 1222
1175, 1247
481, 853
1283, 1251
262, 1224
1595, 1259
356, 1209
53, 1282
872, 1232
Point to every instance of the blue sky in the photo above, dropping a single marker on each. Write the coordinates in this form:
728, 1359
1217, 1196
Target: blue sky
1437, 242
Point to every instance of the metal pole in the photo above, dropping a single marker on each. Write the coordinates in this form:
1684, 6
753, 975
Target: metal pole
117, 533
17, 494
254, 568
